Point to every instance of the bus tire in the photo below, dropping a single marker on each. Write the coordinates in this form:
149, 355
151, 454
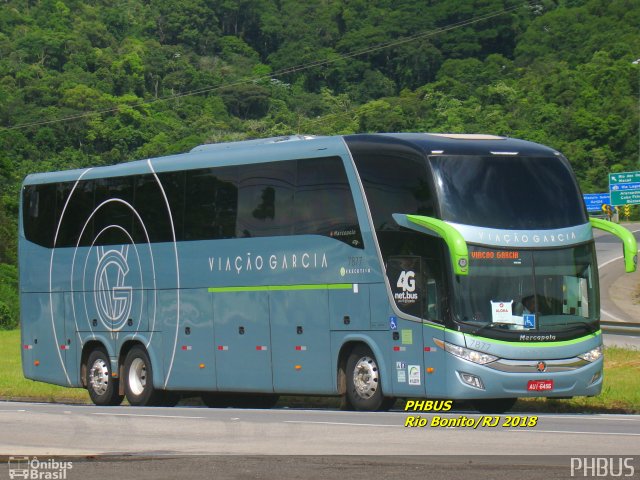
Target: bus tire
103, 388
494, 405
138, 379
364, 390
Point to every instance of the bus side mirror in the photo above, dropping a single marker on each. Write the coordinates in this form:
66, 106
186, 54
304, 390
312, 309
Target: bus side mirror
629, 243
453, 238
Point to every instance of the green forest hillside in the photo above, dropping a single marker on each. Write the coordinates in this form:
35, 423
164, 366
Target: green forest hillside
101, 82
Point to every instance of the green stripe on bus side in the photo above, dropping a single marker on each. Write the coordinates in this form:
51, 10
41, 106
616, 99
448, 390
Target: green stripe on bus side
266, 288
518, 343
437, 327
538, 344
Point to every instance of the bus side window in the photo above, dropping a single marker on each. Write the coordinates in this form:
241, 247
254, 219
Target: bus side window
432, 311
111, 215
265, 199
39, 214
211, 203
324, 201
150, 204
77, 219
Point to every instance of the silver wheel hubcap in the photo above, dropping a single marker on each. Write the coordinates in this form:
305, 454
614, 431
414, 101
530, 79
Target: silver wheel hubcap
99, 376
137, 376
365, 377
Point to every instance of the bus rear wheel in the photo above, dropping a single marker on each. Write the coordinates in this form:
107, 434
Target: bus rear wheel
138, 379
102, 387
494, 405
364, 390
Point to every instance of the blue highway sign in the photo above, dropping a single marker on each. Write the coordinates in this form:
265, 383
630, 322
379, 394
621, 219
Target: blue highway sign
594, 201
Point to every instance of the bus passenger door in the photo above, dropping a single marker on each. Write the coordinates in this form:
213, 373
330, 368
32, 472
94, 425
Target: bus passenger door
406, 279
242, 341
433, 330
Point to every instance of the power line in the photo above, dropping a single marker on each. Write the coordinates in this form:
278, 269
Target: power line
279, 73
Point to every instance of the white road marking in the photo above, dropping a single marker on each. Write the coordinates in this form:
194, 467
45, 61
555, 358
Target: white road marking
631, 418
570, 432
343, 423
143, 415
610, 315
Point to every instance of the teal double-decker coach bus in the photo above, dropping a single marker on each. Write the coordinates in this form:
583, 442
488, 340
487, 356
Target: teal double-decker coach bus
372, 266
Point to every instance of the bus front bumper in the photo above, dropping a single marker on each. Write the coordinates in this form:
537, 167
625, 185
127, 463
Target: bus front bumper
474, 381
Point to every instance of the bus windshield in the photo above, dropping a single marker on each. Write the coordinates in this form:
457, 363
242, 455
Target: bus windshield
528, 290
508, 192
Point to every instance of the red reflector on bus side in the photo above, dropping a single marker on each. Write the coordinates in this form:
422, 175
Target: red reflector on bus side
223, 348
301, 348
261, 348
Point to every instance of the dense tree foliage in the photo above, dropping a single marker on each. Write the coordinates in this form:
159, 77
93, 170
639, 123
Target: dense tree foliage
94, 83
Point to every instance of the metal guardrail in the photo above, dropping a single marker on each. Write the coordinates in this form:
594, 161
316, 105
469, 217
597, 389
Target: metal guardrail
621, 328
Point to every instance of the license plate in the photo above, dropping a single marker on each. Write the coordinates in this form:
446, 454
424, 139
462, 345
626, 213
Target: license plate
540, 385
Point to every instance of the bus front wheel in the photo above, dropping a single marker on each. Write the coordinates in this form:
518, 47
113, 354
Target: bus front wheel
364, 390
102, 387
138, 379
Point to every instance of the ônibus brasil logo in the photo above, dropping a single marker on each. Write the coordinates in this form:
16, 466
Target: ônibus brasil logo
113, 297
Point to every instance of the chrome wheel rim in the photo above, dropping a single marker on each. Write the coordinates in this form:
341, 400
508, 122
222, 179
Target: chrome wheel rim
365, 377
137, 376
99, 376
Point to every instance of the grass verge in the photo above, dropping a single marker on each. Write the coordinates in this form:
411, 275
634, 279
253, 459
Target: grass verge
620, 394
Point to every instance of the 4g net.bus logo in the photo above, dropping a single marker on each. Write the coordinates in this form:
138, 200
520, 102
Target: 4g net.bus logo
406, 282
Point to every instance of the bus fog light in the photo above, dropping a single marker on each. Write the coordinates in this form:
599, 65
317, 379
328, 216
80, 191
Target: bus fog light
596, 376
592, 355
471, 380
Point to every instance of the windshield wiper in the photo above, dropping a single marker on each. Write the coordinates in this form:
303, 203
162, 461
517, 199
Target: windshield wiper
488, 326
588, 326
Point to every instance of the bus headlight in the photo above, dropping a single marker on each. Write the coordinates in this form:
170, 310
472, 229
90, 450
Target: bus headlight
592, 355
465, 353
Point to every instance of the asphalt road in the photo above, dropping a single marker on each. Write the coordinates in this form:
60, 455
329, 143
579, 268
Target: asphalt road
32, 428
142, 442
